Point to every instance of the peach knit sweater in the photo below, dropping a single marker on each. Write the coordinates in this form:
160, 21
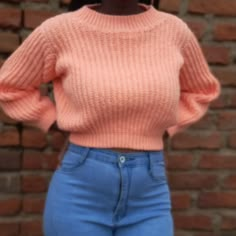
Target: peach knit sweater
118, 80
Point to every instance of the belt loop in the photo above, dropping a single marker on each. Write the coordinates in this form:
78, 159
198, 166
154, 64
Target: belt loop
150, 161
152, 158
84, 154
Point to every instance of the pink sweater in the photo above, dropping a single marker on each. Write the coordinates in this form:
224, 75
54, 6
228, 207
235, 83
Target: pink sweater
118, 80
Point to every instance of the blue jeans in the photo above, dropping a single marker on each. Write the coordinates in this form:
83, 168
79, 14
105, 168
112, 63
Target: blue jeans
101, 192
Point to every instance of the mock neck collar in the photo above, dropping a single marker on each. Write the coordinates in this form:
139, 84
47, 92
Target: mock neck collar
120, 23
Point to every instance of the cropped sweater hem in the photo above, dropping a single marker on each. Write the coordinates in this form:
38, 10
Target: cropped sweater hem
137, 142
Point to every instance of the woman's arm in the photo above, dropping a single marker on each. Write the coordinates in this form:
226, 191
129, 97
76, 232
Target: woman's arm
21, 75
199, 87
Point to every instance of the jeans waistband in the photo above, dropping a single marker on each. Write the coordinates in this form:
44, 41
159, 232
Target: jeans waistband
113, 156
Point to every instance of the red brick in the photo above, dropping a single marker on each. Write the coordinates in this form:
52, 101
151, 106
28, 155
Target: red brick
191, 139
217, 54
207, 122
217, 161
10, 160
227, 120
232, 140
32, 160
9, 228
179, 161
31, 227
230, 182
50, 161
10, 17
9, 137
217, 7
218, 103
33, 138
33, 205
34, 184
170, 6
33, 18
57, 140
191, 222
39, 160
228, 223
232, 100
225, 31
192, 180
198, 28
180, 201
37, 1
181, 233
9, 42
226, 76
12, 1
206, 234
10, 206
65, 2
10, 184
217, 199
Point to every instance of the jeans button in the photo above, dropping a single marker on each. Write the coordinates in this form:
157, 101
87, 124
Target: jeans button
122, 159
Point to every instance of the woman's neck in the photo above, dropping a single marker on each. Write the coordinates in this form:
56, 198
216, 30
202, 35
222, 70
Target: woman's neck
147, 19
119, 7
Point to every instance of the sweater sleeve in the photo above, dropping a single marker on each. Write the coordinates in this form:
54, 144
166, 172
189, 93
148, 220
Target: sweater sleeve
199, 87
21, 75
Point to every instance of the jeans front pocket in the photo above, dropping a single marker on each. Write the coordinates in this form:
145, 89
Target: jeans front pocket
157, 171
71, 161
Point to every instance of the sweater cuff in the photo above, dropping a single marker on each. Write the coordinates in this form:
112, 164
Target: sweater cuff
46, 120
186, 123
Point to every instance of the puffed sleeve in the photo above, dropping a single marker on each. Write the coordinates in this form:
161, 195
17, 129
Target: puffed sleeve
199, 87
21, 75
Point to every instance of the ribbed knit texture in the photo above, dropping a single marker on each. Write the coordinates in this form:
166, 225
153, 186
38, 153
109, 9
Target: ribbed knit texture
119, 80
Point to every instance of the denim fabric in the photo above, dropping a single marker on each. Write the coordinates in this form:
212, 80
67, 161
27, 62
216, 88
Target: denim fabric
101, 192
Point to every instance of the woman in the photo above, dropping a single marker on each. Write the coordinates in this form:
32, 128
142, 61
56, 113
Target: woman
123, 74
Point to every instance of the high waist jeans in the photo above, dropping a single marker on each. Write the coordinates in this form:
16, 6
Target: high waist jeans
101, 192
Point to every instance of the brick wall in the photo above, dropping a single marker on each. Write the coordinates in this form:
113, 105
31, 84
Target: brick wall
201, 161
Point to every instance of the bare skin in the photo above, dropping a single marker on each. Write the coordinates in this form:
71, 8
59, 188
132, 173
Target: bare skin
119, 7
